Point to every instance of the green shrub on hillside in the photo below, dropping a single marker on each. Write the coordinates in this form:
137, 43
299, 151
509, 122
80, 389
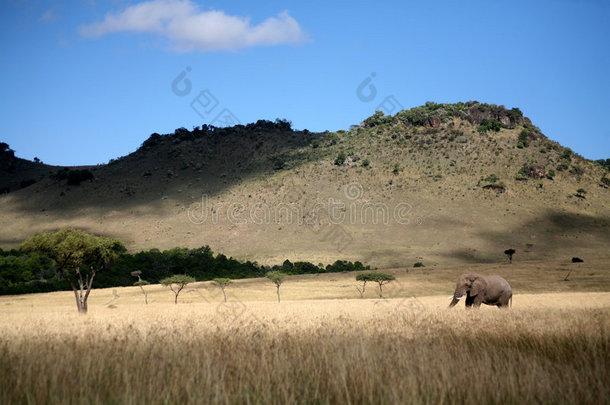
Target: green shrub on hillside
523, 138
490, 124
340, 159
492, 178
604, 163
374, 120
577, 170
332, 139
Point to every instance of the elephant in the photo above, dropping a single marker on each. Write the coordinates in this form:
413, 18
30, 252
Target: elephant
479, 289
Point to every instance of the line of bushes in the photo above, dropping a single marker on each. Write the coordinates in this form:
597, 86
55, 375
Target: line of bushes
22, 273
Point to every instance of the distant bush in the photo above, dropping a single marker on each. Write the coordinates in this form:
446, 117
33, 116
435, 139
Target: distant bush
577, 170
604, 182
332, 139
567, 154
340, 159
366, 163
523, 173
6, 151
283, 124
278, 162
374, 120
490, 124
492, 178
75, 177
419, 264
523, 138
604, 163
417, 116
550, 174
153, 140
515, 114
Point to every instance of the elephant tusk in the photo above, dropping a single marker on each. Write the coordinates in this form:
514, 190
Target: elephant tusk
459, 298
451, 297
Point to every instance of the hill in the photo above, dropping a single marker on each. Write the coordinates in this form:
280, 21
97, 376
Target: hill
438, 184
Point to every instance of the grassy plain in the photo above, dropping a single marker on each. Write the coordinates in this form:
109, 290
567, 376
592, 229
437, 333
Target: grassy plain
321, 344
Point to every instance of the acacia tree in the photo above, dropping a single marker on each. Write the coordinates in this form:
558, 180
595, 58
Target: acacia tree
141, 283
177, 283
364, 277
222, 283
510, 253
277, 277
381, 279
77, 257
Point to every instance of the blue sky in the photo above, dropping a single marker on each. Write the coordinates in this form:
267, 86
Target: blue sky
86, 81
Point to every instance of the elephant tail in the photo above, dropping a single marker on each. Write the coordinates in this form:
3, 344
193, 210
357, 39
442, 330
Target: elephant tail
511, 301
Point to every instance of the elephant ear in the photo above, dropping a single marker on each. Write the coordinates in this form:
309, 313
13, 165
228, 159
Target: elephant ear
478, 286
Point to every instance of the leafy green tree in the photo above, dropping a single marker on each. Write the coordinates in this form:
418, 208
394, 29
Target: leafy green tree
490, 124
176, 283
222, 283
277, 277
77, 256
364, 277
379, 278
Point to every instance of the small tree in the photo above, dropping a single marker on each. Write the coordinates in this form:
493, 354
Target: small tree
510, 253
78, 256
364, 277
277, 277
381, 279
141, 284
177, 283
222, 283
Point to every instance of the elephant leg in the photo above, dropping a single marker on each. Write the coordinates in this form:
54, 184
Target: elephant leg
469, 300
503, 303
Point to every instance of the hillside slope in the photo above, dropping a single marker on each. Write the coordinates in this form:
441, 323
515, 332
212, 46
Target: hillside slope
440, 184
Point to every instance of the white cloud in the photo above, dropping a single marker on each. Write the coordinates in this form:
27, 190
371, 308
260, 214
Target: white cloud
189, 28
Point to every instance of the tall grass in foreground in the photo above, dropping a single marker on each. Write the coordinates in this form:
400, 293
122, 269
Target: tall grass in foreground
503, 357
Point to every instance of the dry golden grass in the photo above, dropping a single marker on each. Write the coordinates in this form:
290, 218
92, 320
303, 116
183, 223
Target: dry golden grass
549, 348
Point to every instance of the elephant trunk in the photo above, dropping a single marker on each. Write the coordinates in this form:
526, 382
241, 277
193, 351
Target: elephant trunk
457, 296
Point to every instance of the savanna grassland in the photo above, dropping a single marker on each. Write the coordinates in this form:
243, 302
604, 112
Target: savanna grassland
321, 344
